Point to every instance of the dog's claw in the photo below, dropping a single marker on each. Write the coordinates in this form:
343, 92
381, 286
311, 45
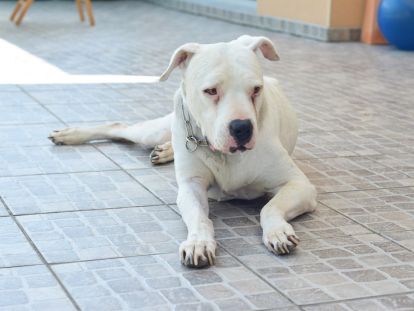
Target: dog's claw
272, 249
285, 247
183, 257
210, 260
294, 239
279, 247
189, 262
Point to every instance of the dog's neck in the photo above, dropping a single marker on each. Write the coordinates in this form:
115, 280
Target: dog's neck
194, 135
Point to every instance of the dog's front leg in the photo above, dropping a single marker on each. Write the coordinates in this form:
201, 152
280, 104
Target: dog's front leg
200, 247
293, 199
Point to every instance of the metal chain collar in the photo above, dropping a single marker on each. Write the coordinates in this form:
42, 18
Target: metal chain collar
190, 135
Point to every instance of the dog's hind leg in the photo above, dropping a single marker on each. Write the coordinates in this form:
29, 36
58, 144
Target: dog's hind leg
153, 133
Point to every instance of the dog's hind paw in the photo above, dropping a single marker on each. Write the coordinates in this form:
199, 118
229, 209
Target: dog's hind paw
162, 153
199, 253
68, 136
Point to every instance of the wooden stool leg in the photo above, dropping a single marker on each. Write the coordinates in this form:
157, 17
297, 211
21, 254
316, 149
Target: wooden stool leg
89, 9
80, 9
16, 9
25, 8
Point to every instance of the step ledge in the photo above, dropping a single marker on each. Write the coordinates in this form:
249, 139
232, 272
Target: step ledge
291, 27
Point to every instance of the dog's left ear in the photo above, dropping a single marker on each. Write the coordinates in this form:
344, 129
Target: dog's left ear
263, 44
181, 56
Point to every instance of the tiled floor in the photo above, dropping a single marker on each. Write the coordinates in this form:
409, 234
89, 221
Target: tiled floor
95, 226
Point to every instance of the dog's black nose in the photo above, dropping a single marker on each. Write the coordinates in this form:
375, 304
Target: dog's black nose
241, 130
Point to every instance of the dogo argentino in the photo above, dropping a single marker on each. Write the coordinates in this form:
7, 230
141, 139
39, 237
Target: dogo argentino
231, 134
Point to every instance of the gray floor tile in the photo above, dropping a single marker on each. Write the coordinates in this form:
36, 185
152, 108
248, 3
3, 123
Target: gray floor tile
161, 280
403, 163
127, 155
309, 146
395, 302
352, 173
62, 87
15, 250
76, 191
3, 211
160, 180
52, 159
79, 96
32, 114
16, 99
27, 135
31, 288
380, 210
72, 236
329, 269
103, 112
372, 142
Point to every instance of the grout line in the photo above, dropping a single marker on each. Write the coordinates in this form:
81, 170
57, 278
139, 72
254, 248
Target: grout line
39, 254
85, 210
357, 299
370, 189
109, 258
172, 100
372, 230
367, 157
260, 277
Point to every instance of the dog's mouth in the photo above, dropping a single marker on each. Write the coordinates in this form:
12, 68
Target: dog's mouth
240, 148
209, 144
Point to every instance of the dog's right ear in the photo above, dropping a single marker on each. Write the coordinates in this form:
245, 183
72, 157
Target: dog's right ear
181, 57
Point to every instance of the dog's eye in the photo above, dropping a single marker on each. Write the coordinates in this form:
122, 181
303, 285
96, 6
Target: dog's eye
211, 91
256, 89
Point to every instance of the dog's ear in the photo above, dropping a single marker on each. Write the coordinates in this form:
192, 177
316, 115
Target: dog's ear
181, 56
263, 44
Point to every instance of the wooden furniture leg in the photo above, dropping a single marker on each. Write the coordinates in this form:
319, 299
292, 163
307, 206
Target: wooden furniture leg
26, 6
89, 9
16, 9
80, 9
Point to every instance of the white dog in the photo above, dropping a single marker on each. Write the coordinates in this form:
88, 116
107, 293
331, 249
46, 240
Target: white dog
231, 133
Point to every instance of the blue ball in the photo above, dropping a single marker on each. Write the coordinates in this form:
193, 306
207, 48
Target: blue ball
396, 22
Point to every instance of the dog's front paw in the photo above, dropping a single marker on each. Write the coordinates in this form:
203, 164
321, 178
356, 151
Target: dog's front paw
280, 239
198, 253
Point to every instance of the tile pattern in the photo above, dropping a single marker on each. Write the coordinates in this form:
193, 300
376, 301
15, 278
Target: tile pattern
17, 161
96, 226
15, 250
121, 232
163, 283
68, 192
31, 288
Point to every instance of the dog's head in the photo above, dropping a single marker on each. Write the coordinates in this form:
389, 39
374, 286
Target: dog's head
223, 86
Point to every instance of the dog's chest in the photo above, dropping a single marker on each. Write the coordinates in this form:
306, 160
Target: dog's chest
242, 177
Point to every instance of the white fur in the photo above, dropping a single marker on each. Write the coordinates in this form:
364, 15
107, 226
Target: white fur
234, 70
